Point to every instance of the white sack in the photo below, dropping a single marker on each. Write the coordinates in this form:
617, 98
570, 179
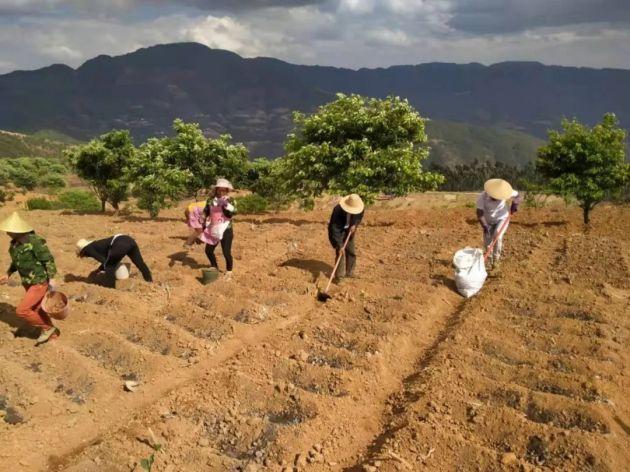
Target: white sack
470, 271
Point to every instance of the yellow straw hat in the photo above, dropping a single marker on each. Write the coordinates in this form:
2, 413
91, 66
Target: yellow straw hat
498, 189
15, 224
352, 204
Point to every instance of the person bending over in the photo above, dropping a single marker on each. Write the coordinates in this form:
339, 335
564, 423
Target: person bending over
109, 252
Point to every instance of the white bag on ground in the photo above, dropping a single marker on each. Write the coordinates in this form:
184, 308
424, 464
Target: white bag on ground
470, 271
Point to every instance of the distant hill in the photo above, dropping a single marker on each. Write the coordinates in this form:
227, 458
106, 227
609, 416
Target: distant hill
453, 143
253, 98
40, 144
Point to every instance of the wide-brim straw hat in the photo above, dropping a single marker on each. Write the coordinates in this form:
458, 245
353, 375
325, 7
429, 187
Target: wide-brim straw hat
352, 204
15, 224
223, 183
81, 243
498, 189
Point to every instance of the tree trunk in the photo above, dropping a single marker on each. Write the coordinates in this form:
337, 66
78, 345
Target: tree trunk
586, 209
103, 202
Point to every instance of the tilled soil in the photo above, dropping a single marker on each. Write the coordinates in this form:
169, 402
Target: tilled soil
395, 372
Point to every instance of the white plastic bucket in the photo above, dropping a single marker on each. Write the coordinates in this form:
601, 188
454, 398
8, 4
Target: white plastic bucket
122, 271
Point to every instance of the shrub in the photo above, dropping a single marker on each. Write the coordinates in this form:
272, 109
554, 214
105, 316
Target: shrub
52, 181
41, 204
79, 200
253, 203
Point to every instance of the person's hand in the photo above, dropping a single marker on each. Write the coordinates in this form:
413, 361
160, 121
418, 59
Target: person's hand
486, 229
4, 279
513, 208
52, 285
353, 228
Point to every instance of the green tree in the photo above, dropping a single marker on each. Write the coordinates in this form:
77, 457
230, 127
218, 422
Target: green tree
206, 158
156, 182
264, 178
586, 163
357, 145
101, 162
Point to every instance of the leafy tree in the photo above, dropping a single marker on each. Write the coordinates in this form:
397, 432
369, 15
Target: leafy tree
156, 183
101, 162
206, 158
357, 144
586, 163
264, 178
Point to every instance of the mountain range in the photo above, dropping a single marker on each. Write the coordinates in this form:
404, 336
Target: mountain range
509, 106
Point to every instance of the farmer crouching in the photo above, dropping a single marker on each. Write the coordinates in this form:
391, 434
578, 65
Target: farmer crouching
109, 252
342, 226
31, 258
492, 213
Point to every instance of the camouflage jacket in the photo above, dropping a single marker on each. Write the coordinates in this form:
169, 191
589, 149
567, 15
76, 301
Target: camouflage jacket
32, 259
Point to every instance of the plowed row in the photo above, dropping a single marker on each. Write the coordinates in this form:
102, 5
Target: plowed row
396, 372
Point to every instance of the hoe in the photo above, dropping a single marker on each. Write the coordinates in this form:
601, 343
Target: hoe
323, 296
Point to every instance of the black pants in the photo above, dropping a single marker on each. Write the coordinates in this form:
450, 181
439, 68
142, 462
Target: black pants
121, 247
348, 258
226, 247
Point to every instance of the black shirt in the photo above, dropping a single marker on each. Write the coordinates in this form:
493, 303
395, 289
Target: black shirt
337, 225
98, 250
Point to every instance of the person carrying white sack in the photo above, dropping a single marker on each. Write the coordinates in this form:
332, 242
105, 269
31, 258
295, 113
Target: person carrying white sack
218, 213
492, 211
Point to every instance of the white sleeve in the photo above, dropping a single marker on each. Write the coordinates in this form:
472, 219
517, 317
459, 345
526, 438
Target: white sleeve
515, 193
481, 201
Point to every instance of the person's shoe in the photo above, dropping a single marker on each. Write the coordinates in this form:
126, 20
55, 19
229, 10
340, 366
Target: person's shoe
48, 334
338, 280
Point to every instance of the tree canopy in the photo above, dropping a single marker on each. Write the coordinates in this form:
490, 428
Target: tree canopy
357, 145
206, 158
586, 163
101, 162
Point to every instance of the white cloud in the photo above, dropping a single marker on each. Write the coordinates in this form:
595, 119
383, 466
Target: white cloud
350, 33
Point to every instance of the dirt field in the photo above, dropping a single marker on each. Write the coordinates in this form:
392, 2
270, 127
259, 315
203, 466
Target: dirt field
396, 372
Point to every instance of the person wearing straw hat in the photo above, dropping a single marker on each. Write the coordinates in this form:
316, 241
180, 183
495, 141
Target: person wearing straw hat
343, 223
109, 252
492, 211
217, 228
31, 258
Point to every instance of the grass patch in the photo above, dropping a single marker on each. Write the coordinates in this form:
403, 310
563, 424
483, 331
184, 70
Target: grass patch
77, 200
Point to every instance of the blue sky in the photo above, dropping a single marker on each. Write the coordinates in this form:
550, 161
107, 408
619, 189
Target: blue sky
348, 33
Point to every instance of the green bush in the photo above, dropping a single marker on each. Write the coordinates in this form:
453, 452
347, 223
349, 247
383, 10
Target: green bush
253, 203
79, 200
52, 181
41, 204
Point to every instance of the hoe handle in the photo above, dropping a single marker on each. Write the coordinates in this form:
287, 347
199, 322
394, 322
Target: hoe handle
496, 238
334, 271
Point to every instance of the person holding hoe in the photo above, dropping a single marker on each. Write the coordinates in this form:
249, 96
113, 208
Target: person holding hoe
109, 252
493, 214
217, 226
344, 220
31, 258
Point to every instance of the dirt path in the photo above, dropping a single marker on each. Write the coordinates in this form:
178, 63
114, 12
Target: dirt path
255, 374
